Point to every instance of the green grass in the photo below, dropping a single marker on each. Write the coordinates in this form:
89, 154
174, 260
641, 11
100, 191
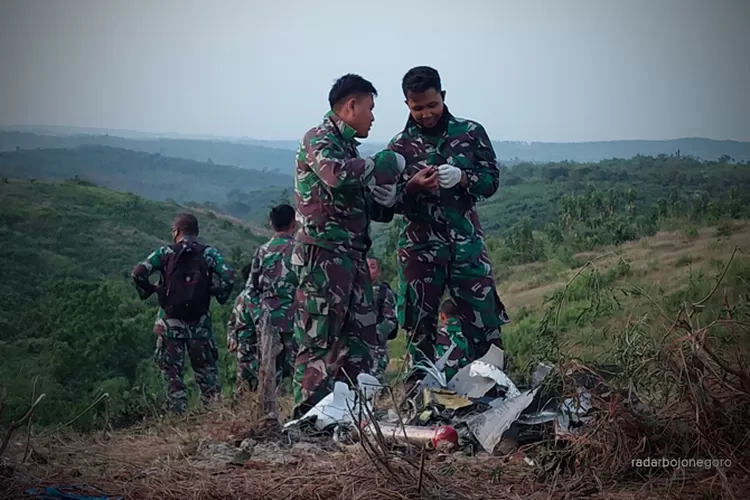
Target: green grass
70, 314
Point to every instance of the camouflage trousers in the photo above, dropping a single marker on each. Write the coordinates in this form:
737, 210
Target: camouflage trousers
170, 358
248, 361
380, 362
449, 340
248, 365
424, 280
335, 323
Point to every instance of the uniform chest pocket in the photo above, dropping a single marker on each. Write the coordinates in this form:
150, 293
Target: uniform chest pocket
462, 150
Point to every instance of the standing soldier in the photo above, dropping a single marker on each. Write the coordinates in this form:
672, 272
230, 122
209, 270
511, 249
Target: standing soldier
387, 323
450, 166
335, 322
191, 273
273, 283
242, 338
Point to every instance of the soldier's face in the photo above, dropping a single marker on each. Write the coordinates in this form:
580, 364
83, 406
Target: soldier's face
426, 107
374, 269
362, 116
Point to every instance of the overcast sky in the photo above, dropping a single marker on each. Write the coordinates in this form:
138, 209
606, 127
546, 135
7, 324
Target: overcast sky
529, 70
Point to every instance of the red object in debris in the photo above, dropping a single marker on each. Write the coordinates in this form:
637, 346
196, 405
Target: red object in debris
445, 433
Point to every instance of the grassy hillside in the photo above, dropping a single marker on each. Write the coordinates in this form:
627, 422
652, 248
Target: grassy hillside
70, 314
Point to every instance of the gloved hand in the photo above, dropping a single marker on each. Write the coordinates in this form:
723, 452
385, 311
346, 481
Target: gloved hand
400, 161
449, 176
384, 194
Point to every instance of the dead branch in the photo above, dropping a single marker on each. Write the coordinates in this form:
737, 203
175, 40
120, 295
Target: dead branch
19, 423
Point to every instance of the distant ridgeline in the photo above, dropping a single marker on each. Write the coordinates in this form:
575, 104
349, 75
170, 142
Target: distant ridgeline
527, 189
278, 155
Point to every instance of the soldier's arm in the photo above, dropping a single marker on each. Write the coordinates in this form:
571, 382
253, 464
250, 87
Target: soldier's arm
484, 179
241, 323
143, 270
390, 320
224, 273
326, 157
398, 207
253, 281
233, 324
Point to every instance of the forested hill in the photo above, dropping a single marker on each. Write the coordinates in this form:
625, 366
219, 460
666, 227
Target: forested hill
244, 155
149, 175
526, 190
535, 191
70, 313
278, 156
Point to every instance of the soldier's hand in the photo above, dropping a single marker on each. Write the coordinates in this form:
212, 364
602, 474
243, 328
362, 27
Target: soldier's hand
449, 175
426, 179
384, 195
232, 345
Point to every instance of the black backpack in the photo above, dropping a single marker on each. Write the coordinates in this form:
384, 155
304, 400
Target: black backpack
186, 292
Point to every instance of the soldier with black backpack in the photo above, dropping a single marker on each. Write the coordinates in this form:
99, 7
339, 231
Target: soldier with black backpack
385, 309
191, 273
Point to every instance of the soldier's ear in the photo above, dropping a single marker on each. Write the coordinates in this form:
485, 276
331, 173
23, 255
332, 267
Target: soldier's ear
442, 95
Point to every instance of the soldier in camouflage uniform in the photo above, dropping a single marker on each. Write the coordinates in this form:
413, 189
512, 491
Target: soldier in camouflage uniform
451, 165
338, 193
273, 283
387, 323
176, 337
242, 338
450, 338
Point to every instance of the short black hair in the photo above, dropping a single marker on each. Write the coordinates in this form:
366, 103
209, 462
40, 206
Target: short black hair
186, 224
421, 79
348, 86
449, 308
246, 271
282, 216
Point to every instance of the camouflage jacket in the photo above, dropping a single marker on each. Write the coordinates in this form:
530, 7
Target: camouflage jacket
273, 282
241, 324
334, 206
386, 311
445, 223
222, 277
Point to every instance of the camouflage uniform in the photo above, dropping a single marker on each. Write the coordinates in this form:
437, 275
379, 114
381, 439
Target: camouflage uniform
441, 242
449, 334
241, 328
176, 337
273, 285
335, 321
386, 323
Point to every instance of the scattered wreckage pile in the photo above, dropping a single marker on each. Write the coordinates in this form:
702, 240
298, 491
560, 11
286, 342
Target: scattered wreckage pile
479, 410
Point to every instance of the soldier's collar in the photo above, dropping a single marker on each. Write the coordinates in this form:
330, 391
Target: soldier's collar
347, 132
414, 128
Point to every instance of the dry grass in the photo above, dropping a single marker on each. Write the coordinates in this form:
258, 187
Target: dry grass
655, 258
162, 462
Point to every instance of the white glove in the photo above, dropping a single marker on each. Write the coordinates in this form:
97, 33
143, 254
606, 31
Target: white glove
448, 176
401, 162
384, 194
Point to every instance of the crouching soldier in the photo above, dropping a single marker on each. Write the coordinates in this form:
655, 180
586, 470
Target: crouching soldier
385, 309
273, 284
242, 338
191, 273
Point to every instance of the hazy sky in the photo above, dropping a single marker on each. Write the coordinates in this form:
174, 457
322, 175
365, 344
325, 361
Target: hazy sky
536, 70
